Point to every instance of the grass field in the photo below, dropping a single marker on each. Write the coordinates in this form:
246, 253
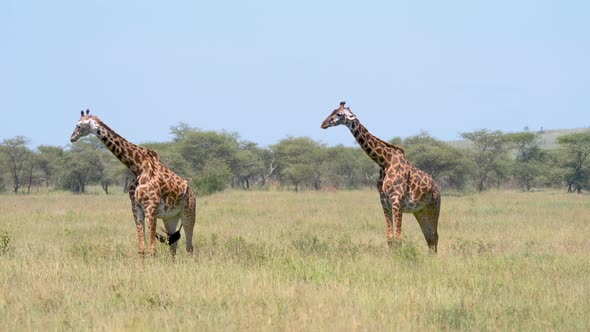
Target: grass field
307, 261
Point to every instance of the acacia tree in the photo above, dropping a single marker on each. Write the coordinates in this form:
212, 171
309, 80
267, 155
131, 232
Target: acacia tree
2, 173
300, 161
180, 131
530, 163
82, 165
32, 173
348, 167
211, 157
268, 159
110, 171
250, 164
17, 155
489, 148
50, 162
578, 149
449, 166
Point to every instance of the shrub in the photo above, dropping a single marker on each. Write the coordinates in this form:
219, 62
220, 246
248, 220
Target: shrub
4, 242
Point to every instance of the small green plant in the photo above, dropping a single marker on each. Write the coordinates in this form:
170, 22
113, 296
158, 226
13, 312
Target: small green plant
454, 317
408, 251
467, 247
4, 242
161, 301
346, 247
311, 245
245, 252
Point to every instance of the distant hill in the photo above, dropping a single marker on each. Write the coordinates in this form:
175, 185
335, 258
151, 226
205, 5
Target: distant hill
548, 138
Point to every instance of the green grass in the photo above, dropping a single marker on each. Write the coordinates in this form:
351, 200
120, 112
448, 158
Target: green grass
307, 261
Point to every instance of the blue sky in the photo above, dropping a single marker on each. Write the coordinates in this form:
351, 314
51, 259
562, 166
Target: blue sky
272, 69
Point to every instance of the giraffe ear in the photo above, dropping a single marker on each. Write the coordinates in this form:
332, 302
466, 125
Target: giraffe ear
87, 112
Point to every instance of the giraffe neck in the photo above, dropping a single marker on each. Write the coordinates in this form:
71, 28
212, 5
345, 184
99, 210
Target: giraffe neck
125, 151
377, 149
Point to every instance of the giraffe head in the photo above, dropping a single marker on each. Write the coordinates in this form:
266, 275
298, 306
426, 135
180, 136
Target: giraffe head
341, 115
85, 126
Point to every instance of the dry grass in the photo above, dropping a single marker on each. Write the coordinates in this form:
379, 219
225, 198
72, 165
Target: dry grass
307, 261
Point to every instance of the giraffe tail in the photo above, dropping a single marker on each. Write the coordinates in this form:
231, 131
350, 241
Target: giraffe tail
170, 239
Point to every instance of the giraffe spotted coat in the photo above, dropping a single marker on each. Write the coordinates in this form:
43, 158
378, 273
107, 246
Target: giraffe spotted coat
155, 191
402, 186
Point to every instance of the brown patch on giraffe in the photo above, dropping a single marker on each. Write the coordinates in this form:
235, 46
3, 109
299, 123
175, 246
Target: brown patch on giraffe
361, 141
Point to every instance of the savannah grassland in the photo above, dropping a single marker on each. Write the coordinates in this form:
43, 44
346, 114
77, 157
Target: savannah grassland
298, 261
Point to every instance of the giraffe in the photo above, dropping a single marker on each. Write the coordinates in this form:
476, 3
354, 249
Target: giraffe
402, 186
155, 191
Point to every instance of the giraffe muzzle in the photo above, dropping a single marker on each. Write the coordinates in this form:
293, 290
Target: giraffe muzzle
74, 137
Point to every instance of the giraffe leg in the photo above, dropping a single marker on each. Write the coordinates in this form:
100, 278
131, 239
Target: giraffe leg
140, 228
189, 216
149, 203
387, 212
386, 204
397, 216
428, 220
151, 226
138, 216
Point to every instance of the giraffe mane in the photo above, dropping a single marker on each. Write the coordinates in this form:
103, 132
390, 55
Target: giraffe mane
387, 144
395, 147
102, 124
152, 153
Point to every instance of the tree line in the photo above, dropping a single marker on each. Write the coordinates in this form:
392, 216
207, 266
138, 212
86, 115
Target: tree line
214, 161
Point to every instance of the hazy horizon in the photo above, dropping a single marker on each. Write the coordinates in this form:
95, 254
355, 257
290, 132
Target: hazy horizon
350, 143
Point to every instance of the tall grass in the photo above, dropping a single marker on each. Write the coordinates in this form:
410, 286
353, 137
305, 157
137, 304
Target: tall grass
306, 261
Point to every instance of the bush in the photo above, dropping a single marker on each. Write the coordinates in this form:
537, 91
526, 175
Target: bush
213, 178
407, 251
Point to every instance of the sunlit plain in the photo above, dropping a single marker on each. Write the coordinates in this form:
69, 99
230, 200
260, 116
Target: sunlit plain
298, 261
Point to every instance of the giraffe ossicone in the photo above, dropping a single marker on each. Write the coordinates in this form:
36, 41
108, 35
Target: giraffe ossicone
402, 186
156, 192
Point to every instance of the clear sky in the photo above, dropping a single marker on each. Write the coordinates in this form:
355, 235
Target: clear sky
272, 69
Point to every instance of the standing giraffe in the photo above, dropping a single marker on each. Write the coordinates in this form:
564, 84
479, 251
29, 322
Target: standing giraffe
155, 190
402, 186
